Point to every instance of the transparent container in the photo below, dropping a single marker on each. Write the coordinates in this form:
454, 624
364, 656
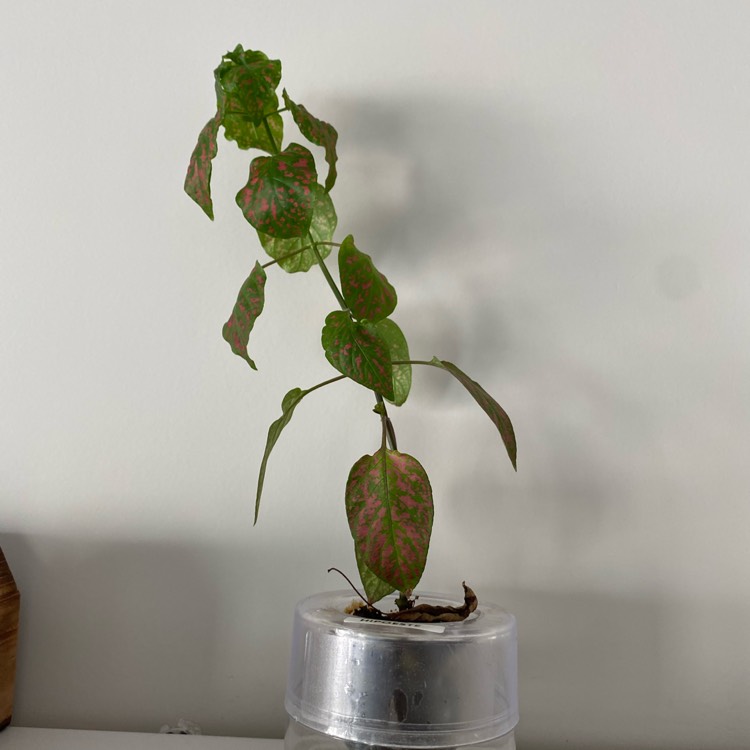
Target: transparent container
356, 682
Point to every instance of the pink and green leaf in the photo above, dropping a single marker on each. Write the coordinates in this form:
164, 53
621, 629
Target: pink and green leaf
278, 197
375, 589
246, 310
389, 332
389, 509
198, 178
367, 293
246, 83
318, 132
494, 411
358, 353
288, 405
250, 135
322, 227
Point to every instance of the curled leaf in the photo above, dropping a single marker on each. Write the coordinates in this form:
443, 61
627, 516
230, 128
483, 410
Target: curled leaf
424, 612
491, 408
367, 293
249, 305
278, 197
288, 405
246, 83
318, 132
198, 178
389, 509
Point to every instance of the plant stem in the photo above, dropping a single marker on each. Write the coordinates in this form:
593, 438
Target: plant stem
403, 601
390, 433
270, 135
285, 257
325, 382
413, 362
297, 252
326, 273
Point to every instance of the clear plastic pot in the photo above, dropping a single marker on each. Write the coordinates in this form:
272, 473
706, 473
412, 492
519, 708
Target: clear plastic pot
354, 682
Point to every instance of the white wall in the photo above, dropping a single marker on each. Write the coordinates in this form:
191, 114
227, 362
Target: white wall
559, 192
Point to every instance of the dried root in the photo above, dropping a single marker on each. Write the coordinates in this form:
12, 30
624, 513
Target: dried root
423, 612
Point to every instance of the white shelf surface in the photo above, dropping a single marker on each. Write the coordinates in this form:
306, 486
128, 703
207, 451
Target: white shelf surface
23, 738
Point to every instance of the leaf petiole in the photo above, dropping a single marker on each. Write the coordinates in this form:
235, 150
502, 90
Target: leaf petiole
327, 274
271, 139
325, 382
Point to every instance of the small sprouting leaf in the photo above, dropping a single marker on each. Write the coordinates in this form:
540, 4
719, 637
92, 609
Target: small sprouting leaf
288, 405
389, 509
278, 197
322, 227
494, 411
399, 350
198, 179
358, 353
246, 82
246, 310
375, 589
318, 132
367, 293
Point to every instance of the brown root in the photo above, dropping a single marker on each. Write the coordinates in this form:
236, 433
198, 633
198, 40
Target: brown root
424, 612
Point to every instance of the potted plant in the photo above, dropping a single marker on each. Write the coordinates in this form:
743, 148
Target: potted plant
429, 673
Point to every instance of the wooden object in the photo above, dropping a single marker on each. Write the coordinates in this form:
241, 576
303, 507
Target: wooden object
10, 601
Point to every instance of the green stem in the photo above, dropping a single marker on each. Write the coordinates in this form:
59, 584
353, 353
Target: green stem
325, 382
326, 273
388, 431
270, 135
285, 257
297, 252
403, 601
413, 362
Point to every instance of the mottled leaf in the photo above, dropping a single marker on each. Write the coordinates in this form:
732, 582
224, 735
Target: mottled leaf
249, 135
399, 351
246, 82
318, 132
389, 509
358, 353
366, 291
322, 227
198, 179
493, 410
288, 405
375, 589
246, 310
278, 197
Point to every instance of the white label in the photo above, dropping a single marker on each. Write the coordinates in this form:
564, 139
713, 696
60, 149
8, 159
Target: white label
397, 624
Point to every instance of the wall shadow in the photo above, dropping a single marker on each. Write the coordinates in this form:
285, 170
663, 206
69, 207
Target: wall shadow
128, 635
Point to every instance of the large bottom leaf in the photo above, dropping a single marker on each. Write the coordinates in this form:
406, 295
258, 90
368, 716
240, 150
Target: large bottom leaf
389, 508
